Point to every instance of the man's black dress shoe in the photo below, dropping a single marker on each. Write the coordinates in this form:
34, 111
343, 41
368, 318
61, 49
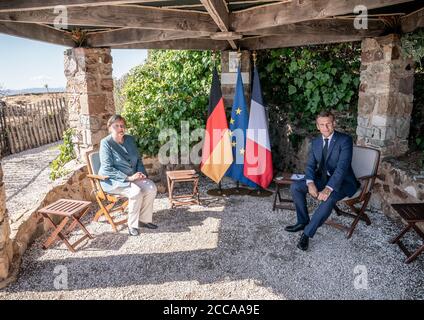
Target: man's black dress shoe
303, 242
133, 231
147, 225
296, 228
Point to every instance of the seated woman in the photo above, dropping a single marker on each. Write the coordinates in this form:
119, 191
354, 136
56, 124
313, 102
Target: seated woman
120, 161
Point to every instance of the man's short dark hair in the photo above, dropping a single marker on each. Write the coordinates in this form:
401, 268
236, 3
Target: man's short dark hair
325, 114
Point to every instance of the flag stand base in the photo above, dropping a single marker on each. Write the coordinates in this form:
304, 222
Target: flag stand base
238, 191
260, 193
219, 192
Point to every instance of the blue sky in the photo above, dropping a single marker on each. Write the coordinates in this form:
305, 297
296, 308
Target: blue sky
31, 64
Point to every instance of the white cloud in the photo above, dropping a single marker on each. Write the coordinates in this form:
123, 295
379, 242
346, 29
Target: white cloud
42, 77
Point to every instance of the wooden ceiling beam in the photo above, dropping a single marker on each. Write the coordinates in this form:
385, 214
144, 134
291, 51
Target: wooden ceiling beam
294, 40
324, 26
36, 32
15, 5
120, 16
413, 21
132, 35
219, 12
182, 44
19, 5
299, 10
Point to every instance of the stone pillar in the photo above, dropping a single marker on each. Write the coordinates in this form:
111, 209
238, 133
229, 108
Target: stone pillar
229, 77
6, 248
385, 96
89, 95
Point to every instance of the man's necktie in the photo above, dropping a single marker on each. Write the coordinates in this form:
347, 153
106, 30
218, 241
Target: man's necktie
323, 166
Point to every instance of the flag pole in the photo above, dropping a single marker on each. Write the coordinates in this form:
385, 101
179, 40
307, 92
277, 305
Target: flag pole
216, 105
239, 190
259, 191
255, 57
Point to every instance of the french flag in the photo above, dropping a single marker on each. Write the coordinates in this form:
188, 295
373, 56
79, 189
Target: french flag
257, 158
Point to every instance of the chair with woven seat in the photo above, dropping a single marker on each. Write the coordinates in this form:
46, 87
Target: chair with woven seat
365, 162
109, 204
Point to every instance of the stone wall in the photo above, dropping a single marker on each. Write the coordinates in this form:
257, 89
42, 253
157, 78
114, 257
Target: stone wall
89, 93
6, 248
291, 153
229, 77
396, 183
385, 96
31, 225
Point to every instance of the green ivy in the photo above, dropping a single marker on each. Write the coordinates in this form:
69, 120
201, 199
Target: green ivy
413, 45
66, 154
305, 81
172, 86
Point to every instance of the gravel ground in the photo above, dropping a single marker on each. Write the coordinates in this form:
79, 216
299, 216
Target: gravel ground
227, 248
26, 178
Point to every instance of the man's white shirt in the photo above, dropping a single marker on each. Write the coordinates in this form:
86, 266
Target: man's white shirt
323, 144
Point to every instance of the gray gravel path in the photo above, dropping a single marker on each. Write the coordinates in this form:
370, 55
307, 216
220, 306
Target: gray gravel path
234, 248
26, 178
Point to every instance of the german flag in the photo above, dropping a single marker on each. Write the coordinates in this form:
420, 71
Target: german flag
217, 154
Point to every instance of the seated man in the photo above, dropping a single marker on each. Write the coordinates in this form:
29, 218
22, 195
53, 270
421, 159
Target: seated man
329, 178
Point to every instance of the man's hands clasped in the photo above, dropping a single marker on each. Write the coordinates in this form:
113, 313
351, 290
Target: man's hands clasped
321, 196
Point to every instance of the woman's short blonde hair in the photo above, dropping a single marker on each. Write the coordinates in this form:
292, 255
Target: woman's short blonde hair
114, 118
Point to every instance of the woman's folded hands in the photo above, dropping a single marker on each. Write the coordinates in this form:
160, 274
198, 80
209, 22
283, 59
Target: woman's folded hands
136, 176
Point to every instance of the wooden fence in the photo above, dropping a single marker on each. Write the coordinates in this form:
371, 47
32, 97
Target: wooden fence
31, 126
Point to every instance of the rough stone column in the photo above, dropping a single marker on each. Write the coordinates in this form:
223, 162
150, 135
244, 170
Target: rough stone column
6, 248
385, 96
89, 95
229, 79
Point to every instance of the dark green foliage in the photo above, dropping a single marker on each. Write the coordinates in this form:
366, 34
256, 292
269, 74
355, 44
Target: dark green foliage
172, 86
66, 154
304, 81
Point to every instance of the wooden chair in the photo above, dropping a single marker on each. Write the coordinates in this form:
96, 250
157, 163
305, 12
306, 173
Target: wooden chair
109, 203
365, 162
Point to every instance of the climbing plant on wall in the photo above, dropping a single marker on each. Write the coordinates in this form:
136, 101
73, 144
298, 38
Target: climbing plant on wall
413, 45
304, 81
300, 82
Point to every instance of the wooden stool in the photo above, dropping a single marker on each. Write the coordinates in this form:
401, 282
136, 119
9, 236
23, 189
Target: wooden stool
281, 182
70, 210
183, 176
412, 213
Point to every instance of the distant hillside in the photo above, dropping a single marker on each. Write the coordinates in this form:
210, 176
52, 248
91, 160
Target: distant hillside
32, 98
32, 91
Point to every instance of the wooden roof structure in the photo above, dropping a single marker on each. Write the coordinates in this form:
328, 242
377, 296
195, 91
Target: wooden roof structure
204, 24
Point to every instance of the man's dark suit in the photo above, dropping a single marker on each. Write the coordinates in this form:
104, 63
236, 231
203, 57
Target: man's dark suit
340, 178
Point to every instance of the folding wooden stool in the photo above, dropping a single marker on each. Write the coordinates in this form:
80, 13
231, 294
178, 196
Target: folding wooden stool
412, 213
178, 176
71, 211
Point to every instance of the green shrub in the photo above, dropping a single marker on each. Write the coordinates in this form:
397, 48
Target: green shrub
301, 82
413, 45
66, 154
172, 86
